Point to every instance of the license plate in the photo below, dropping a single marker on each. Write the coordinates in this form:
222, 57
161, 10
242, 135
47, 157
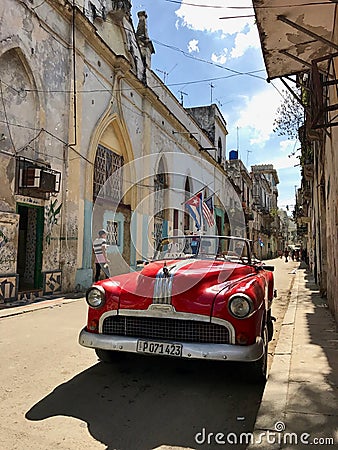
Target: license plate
159, 348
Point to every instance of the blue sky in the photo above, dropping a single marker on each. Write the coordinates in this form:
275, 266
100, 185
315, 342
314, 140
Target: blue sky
196, 48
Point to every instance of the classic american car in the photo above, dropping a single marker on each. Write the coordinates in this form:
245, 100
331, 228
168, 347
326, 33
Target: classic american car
203, 297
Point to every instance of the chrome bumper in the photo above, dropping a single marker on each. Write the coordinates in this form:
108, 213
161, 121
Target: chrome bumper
220, 352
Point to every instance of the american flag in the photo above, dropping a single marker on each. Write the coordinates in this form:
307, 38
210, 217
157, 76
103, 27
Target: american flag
208, 211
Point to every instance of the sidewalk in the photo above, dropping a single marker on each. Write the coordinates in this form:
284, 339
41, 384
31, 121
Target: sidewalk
301, 394
16, 308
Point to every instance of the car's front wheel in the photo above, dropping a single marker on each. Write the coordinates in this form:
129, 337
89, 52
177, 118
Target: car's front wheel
108, 356
259, 368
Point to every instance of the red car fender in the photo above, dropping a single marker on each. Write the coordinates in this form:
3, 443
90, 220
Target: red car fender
254, 287
270, 281
112, 293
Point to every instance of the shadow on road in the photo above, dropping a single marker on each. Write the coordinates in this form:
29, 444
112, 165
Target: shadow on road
144, 402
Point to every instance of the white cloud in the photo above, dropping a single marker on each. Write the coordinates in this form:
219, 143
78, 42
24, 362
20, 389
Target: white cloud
209, 18
258, 115
220, 58
289, 146
289, 154
244, 41
193, 46
282, 162
282, 157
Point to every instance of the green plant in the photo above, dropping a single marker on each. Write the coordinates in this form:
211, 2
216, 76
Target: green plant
290, 117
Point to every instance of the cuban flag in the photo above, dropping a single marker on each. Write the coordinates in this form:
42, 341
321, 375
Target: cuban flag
194, 207
208, 211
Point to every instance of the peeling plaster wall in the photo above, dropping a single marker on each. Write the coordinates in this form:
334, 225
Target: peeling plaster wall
35, 63
331, 192
205, 117
276, 36
112, 103
9, 224
332, 222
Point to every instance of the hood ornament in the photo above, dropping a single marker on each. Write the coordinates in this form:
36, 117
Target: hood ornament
166, 271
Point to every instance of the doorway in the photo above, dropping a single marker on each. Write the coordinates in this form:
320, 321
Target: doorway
219, 225
29, 261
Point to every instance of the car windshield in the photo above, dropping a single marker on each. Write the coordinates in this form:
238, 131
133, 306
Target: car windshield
204, 247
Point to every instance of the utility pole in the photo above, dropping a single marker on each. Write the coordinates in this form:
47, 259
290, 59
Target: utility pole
238, 142
211, 88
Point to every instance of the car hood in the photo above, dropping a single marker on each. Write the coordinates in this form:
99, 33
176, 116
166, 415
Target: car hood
187, 285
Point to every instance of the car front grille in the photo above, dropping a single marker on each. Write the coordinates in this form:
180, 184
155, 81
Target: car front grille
167, 329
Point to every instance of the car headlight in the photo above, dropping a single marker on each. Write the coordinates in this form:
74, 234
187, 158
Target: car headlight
95, 297
240, 306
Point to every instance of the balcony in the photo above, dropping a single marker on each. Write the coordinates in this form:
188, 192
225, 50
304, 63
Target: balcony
323, 78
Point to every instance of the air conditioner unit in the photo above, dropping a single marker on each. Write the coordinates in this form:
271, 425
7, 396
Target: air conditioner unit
47, 181
34, 178
29, 177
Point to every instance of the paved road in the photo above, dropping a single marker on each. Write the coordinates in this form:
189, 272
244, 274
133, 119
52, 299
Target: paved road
55, 394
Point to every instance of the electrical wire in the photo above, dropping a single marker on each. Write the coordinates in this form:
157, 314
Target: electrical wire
6, 117
177, 49
28, 143
50, 134
179, 2
90, 91
329, 2
186, 54
237, 17
234, 73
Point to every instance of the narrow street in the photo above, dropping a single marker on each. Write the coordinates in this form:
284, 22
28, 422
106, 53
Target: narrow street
55, 394
149, 138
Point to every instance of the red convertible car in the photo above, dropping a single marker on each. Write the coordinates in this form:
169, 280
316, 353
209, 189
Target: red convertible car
201, 297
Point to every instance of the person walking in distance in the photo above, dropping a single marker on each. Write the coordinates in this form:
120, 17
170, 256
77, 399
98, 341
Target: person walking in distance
100, 251
286, 254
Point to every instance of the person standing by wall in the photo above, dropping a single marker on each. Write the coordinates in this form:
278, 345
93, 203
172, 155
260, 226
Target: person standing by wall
100, 251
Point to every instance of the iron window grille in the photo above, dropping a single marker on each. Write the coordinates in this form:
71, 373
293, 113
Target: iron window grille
108, 175
113, 235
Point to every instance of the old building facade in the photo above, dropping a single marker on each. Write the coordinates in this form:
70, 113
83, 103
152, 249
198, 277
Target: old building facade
266, 225
299, 44
91, 138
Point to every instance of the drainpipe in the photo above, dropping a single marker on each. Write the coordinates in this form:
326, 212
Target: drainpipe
74, 75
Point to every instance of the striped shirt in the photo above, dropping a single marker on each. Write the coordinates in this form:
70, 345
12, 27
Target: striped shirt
99, 245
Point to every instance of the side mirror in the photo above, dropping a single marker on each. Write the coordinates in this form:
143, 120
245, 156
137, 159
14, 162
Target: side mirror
141, 262
264, 267
162, 244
